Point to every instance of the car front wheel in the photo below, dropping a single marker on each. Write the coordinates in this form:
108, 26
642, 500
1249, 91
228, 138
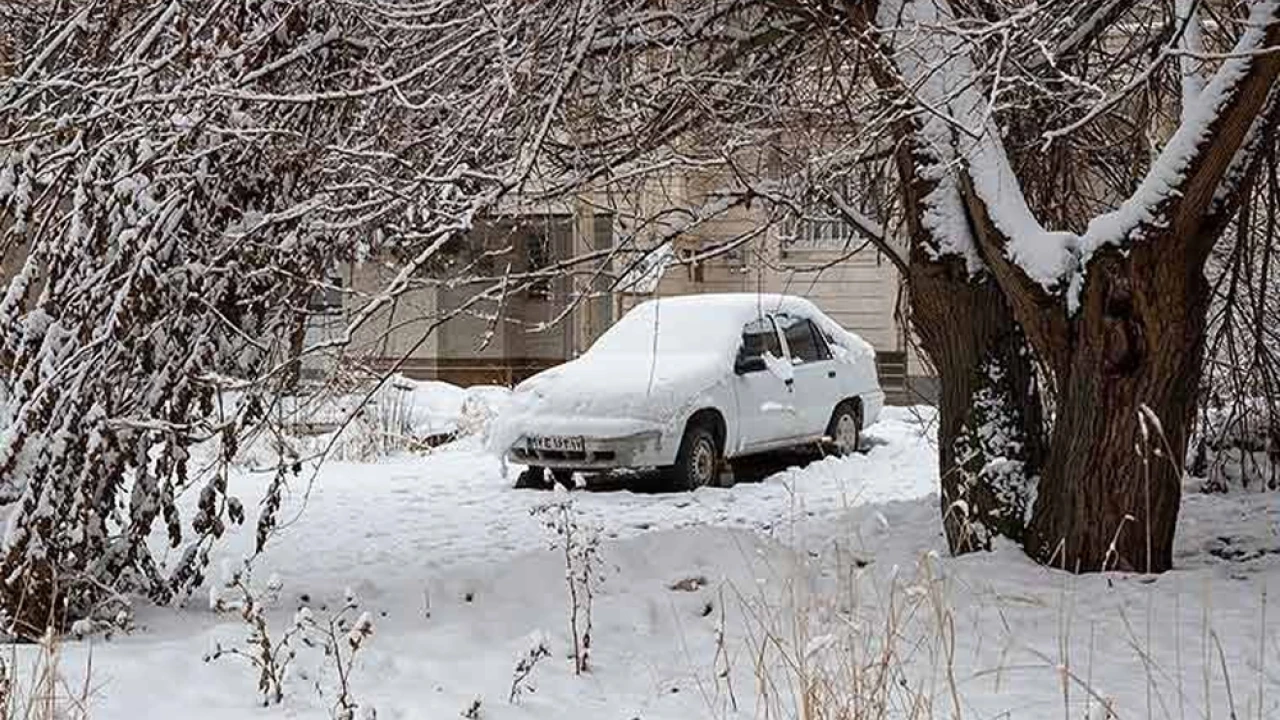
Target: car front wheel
845, 428
564, 478
533, 478
698, 460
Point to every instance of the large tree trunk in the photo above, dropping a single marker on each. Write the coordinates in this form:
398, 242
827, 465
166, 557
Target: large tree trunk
1125, 369
990, 425
1109, 495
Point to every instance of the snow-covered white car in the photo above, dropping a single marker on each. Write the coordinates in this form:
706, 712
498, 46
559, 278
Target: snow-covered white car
686, 383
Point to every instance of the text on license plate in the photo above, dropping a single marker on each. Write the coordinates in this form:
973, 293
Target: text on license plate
557, 442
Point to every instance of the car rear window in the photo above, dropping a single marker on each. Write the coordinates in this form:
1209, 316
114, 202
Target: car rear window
803, 339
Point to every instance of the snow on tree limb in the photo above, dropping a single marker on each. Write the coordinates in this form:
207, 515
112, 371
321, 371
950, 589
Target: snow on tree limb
942, 77
931, 64
1191, 43
1184, 174
176, 180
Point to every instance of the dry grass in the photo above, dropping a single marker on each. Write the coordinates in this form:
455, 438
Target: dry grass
35, 686
857, 653
925, 643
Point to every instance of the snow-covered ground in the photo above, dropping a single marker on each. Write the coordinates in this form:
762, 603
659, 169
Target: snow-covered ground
824, 586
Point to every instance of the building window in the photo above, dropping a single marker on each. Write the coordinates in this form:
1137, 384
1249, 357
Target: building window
817, 233
538, 257
326, 299
731, 253
697, 273
821, 227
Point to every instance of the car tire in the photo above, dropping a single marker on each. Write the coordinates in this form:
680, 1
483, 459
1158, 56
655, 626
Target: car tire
533, 478
845, 428
698, 460
564, 478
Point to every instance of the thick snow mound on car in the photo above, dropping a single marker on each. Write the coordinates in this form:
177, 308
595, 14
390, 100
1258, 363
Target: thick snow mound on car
655, 363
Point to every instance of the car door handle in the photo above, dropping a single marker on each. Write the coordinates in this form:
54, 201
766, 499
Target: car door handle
831, 373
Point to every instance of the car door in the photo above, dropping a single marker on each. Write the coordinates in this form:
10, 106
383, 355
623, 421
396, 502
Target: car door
765, 399
817, 383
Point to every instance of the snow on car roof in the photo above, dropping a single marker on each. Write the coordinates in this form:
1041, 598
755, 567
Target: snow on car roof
735, 302
708, 323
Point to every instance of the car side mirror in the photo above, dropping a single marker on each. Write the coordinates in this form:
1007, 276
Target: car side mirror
744, 365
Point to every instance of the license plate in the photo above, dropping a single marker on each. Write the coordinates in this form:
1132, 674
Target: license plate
559, 443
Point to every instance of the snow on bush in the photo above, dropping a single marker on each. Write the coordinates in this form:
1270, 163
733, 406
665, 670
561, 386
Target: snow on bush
182, 177
366, 422
1237, 447
579, 541
339, 636
481, 405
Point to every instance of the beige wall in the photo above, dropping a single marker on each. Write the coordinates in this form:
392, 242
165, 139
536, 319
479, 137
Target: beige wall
445, 334
401, 328
859, 291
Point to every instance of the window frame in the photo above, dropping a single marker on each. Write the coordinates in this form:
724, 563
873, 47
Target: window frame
816, 337
778, 339
327, 298
538, 255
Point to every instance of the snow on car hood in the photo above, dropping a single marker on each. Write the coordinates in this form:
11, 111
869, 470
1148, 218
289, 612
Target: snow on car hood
639, 376
610, 395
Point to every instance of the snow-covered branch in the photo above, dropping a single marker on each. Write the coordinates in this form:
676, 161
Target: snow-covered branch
176, 180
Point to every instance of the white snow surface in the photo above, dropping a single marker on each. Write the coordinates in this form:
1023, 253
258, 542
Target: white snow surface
457, 577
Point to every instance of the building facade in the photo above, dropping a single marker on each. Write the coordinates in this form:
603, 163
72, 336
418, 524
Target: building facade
486, 316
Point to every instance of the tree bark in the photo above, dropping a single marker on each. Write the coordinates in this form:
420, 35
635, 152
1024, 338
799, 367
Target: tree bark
1124, 370
986, 371
1127, 367
986, 379
1112, 480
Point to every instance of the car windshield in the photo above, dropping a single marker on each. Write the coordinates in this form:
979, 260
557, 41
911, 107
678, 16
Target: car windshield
684, 329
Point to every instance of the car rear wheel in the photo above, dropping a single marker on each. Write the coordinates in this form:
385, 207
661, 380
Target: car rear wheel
845, 428
698, 460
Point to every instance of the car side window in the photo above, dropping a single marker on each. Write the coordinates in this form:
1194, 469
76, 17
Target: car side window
759, 337
820, 341
804, 339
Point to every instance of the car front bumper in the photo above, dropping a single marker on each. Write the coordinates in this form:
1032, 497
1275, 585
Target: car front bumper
645, 449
